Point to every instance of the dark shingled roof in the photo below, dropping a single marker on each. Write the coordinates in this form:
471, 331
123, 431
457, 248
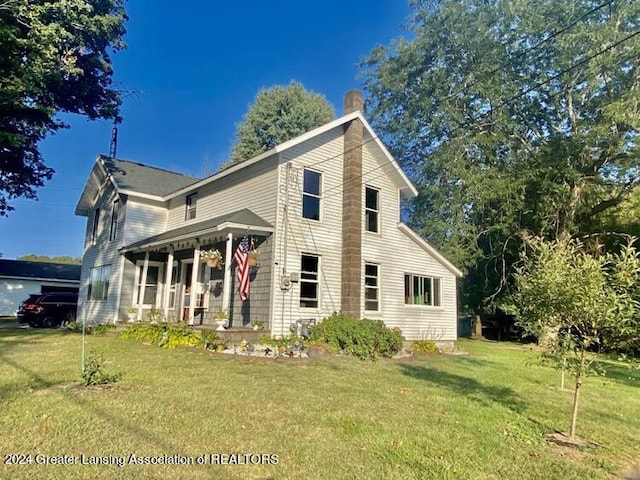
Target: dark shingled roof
145, 179
242, 217
51, 271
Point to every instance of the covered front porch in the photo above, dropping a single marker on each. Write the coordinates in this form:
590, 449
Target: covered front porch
172, 277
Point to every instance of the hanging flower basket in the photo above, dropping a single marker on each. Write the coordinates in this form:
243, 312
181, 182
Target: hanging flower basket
212, 257
253, 257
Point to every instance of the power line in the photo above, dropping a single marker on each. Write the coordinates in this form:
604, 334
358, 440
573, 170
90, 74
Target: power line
529, 50
501, 105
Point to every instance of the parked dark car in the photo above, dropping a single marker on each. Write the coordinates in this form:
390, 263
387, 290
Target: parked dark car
48, 309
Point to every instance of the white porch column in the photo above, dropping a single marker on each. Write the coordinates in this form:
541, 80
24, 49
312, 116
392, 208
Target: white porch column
193, 296
143, 284
226, 284
167, 284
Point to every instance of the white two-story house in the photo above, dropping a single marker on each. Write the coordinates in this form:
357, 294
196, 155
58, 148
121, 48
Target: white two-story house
322, 210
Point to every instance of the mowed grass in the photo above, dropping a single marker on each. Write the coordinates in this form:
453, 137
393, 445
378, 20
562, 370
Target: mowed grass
477, 416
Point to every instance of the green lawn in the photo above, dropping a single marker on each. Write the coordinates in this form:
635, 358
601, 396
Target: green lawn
477, 416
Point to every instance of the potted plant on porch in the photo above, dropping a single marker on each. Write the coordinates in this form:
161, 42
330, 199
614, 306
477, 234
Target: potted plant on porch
132, 314
213, 258
221, 318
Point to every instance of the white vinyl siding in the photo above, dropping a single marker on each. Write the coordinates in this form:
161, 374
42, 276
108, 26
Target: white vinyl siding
398, 254
296, 235
143, 220
102, 253
253, 187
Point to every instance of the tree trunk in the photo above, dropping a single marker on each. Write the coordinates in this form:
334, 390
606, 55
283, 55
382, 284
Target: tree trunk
477, 327
576, 396
564, 369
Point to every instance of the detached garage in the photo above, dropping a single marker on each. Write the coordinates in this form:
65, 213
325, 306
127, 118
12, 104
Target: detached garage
19, 279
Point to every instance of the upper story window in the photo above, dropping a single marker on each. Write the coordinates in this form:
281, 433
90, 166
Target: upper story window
371, 287
96, 226
309, 281
420, 290
312, 191
113, 229
372, 210
190, 212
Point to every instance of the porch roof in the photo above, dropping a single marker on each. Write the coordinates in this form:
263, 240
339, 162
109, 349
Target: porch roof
239, 221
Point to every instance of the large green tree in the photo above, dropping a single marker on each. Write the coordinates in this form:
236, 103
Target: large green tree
279, 114
66, 259
510, 115
54, 57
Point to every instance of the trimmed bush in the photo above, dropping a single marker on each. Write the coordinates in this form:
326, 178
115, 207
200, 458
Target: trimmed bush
365, 339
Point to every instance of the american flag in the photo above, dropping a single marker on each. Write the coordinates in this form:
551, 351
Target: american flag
242, 267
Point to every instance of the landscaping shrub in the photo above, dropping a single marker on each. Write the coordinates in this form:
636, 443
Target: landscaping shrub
365, 339
164, 335
94, 373
426, 346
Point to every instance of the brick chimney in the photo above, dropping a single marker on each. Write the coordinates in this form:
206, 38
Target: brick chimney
352, 213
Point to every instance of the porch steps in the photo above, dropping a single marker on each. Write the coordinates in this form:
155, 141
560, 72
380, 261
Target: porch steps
235, 335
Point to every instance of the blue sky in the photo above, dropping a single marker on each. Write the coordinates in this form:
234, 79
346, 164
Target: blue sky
198, 66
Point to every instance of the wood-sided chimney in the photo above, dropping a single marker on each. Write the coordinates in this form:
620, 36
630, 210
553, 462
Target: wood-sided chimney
352, 214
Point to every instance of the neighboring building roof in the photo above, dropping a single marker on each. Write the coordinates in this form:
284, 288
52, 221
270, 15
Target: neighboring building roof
136, 177
240, 220
39, 270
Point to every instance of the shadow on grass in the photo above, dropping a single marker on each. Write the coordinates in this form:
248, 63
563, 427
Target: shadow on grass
121, 423
469, 387
620, 373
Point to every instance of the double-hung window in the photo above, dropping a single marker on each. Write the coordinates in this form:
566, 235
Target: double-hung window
99, 283
371, 287
309, 281
311, 194
190, 212
113, 230
420, 290
372, 210
96, 226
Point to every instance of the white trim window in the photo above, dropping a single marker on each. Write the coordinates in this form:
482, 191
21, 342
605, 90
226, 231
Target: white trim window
115, 209
173, 287
190, 206
99, 283
419, 290
371, 287
96, 226
311, 194
309, 281
153, 286
372, 209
